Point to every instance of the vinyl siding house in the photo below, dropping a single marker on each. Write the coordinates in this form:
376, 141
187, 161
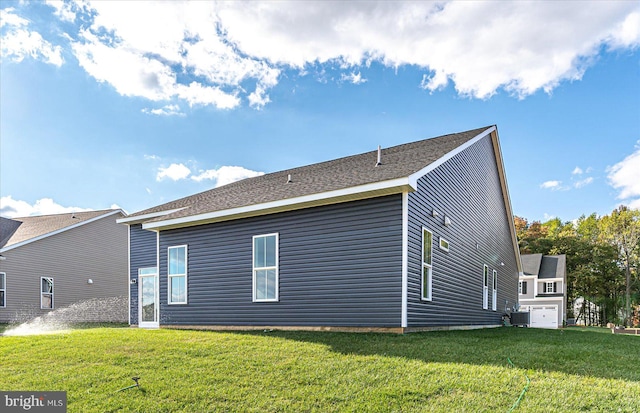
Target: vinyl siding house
414, 237
50, 262
542, 289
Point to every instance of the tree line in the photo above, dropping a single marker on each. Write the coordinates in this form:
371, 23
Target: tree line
603, 261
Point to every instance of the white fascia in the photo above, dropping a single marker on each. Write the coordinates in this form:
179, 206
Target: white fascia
376, 189
413, 178
140, 218
70, 227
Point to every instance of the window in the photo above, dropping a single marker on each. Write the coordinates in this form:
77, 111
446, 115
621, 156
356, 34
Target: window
427, 268
444, 244
177, 275
522, 287
265, 267
147, 271
485, 288
3, 289
550, 287
46, 293
494, 296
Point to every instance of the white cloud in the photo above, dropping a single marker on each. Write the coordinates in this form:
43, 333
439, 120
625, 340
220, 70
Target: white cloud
167, 110
178, 38
258, 98
553, 185
17, 42
64, 10
522, 47
226, 174
9, 18
583, 182
175, 172
625, 176
353, 77
577, 171
207, 53
195, 93
13, 208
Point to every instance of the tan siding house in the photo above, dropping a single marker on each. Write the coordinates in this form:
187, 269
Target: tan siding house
54, 261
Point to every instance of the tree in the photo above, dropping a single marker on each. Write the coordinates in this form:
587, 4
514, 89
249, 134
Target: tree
622, 230
594, 269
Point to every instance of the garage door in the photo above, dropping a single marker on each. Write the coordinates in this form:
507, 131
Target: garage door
544, 316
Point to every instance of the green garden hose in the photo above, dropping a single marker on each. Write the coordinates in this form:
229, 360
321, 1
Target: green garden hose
132, 386
526, 387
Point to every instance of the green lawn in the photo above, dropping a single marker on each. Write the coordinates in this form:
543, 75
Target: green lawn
570, 370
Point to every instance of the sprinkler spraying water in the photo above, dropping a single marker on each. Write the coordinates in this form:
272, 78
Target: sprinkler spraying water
110, 309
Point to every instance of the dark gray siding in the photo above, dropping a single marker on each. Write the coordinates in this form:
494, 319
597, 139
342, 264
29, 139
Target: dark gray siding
340, 265
143, 254
466, 189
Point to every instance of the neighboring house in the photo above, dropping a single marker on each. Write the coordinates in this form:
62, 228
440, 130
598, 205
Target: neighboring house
587, 313
413, 237
53, 261
542, 289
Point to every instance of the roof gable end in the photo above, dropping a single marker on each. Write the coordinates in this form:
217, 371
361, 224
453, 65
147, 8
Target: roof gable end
35, 228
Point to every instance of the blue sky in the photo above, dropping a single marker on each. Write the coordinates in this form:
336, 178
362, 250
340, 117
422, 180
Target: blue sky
132, 104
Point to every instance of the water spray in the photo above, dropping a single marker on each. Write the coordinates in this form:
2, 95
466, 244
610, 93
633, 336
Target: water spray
135, 378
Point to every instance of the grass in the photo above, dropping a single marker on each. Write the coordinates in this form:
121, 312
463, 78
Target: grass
570, 370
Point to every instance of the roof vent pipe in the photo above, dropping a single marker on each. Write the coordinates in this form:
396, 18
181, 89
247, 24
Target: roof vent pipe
289, 179
379, 162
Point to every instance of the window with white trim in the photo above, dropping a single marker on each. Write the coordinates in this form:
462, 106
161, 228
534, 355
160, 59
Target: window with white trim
494, 296
427, 267
444, 244
522, 287
550, 287
265, 267
3, 289
485, 288
177, 275
46, 293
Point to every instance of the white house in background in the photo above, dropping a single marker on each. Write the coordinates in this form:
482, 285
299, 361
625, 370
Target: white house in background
542, 289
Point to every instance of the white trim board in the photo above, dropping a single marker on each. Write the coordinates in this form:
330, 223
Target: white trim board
373, 190
405, 260
140, 218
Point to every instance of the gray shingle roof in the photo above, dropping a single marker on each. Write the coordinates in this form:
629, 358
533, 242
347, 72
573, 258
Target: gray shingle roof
531, 263
553, 266
17, 230
544, 266
352, 171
